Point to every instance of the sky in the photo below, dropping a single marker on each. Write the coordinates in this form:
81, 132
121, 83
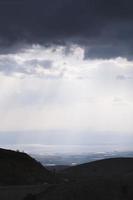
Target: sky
66, 71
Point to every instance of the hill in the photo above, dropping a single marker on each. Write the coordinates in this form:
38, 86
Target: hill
20, 169
104, 168
110, 179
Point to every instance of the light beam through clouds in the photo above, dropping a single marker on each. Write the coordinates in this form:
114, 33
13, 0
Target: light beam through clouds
45, 88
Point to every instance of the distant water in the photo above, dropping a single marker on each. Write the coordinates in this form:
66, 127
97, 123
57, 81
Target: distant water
69, 149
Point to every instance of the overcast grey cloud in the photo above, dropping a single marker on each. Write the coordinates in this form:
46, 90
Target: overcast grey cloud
104, 27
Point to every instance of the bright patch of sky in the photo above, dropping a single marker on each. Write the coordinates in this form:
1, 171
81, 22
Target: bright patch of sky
56, 88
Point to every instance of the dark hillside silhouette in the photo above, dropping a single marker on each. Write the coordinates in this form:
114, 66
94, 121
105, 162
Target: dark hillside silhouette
110, 179
20, 169
105, 167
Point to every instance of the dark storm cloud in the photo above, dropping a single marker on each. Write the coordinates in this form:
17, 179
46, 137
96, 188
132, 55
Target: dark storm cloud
105, 27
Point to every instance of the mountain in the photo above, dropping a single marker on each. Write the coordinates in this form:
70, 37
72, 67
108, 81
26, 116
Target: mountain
109, 179
18, 168
104, 168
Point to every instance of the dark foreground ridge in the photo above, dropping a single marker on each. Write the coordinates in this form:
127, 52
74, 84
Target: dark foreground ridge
20, 169
105, 168
110, 179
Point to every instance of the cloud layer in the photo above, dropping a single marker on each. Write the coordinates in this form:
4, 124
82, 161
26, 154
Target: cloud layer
60, 62
104, 27
57, 88
66, 65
